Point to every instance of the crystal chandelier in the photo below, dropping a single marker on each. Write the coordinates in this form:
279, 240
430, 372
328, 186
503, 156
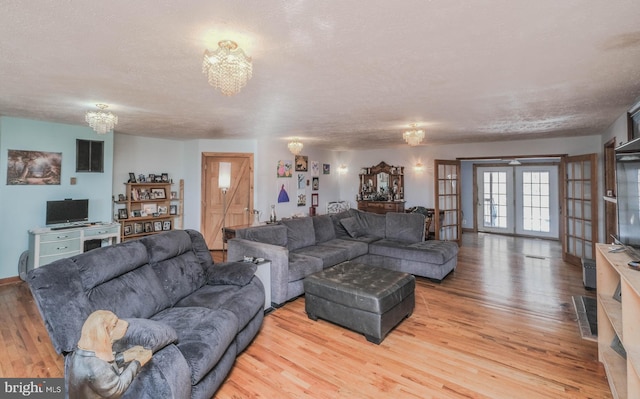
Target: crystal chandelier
414, 136
295, 146
228, 68
101, 121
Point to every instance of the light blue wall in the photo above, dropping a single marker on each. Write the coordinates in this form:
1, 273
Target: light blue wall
23, 207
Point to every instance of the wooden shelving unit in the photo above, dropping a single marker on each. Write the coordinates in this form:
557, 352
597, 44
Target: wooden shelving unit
147, 209
619, 319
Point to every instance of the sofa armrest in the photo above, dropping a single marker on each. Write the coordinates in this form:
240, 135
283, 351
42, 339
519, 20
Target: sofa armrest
279, 257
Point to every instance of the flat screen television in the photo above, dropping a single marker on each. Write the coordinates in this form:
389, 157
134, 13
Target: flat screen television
628, 193
67, 211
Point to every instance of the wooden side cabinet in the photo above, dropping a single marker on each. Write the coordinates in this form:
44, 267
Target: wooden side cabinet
381, 206
618, 319
47, 245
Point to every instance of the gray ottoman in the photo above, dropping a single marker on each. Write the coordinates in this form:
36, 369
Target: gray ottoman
366, 299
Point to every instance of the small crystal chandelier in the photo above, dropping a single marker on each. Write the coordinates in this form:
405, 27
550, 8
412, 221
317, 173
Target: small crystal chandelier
414, 136
101, 121
228, 68
295, 146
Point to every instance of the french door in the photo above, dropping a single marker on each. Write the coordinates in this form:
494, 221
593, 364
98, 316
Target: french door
520, 200
448, 224
230, 209
580, 200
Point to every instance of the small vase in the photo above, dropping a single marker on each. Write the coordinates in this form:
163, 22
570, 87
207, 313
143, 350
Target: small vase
272, 215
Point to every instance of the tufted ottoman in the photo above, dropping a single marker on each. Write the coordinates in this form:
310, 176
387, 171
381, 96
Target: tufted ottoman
366, 299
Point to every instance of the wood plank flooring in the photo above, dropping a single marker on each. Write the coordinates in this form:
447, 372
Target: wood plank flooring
501, 326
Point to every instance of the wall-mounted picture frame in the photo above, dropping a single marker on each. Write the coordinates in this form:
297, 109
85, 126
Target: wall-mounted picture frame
326, 169
157, 226
315, 183
33, 168
158, 193
174, 195
314, 199
173, 209
302, 163
122, 213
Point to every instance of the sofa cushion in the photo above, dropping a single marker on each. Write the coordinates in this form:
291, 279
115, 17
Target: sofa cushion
354, 248
352, 226
337, 225
244, 302
148, 333
96, 267
432, 251
300, 266
234, 273
373, 224
404, 226
323, 227
274, 234
300, 233
180, 275
330, 255
138, 293
203, 335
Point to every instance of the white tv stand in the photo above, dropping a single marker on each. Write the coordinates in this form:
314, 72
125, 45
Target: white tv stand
47, 245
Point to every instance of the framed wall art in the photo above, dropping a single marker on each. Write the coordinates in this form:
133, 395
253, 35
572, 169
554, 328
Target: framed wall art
33, 167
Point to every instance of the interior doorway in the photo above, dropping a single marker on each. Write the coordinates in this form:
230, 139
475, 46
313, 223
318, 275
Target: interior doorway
518, 200
232, 209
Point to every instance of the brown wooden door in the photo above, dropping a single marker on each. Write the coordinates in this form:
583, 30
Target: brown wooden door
238, 201
448, 224
580, 208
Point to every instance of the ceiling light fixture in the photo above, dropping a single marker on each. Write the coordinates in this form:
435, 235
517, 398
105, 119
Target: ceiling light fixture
228, 68
413, 136
101, 121
295, 146
515, 162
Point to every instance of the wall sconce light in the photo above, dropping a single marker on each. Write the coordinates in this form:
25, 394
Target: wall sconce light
342, 169
419, 167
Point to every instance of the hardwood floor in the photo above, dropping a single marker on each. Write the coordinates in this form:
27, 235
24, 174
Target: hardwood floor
501, 326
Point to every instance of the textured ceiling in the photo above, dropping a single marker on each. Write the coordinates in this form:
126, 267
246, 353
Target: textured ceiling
338, 74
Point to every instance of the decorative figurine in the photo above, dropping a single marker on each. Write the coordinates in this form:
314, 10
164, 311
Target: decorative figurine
95, 372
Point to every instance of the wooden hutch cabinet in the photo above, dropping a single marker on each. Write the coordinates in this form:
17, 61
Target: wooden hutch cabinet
381, 189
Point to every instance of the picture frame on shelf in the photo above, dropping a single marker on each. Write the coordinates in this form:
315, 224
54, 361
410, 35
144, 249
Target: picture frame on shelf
148, 227
164, 177
136, 213
138, 228
127, 229
132, 178
150, 209
122, 197
157, 226
166, 225
173, 209
122, 213
174, 195
158, 193
162, 210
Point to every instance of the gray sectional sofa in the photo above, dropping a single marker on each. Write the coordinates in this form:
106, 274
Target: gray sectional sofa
195, 315
302, 246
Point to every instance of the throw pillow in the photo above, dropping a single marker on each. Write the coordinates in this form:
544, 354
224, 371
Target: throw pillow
231, 273
150, 334
300, 233
352, 226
